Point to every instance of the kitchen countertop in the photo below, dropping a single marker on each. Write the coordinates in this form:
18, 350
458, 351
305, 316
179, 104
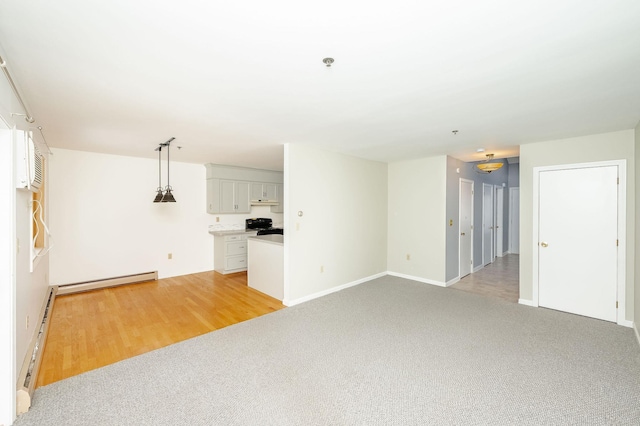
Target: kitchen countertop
272, 239
232, 232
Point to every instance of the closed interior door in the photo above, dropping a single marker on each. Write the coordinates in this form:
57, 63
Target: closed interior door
499, 220
577, 245
487, 224
466, 222
514, 220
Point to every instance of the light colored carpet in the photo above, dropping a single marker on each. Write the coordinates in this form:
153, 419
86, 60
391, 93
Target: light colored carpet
387, 352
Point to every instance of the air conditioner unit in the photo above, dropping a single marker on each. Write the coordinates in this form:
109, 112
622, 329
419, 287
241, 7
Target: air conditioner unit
29, 162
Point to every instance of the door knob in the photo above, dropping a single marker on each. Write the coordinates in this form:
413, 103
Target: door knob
543, 244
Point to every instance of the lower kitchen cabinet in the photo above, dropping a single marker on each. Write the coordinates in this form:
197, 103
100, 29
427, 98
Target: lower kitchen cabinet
230, 252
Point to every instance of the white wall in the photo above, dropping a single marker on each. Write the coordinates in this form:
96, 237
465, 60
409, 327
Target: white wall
21, 291
104, 223
344, 223
637, 237
417, 218
601, 147
7, 280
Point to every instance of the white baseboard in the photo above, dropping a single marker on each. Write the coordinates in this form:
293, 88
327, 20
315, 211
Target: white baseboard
422, 280
477, 268
625, 323
527, 302
299, 300
452, 282
635, 328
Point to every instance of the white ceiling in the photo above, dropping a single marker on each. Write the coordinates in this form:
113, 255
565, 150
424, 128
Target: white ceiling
233, 81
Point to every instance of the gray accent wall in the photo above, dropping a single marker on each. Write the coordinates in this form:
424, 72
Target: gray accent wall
457, 169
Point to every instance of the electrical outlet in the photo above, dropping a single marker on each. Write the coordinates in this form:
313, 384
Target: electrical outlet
170, 256
217, 218
321, 269
408, 256
297, 226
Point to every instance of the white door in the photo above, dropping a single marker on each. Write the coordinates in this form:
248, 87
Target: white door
577, 245
487, 224
466, 223
514, 220
499, 220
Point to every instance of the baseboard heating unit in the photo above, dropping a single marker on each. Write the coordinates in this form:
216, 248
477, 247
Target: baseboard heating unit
31, 365
106, 282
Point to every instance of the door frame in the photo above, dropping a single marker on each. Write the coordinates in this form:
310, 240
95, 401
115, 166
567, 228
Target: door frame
622, 228
498, 214
492, 220
460, 181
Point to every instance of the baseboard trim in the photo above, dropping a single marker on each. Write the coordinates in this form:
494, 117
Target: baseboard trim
527, 302
419, 279
452, 282
625, 323
31, 364
635, 328
292, 302
477, 268
107, 282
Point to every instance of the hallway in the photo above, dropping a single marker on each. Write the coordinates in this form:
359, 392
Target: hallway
499, 279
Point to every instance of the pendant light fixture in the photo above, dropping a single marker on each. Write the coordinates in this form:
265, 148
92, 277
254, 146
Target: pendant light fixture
487, 166
159, 194
168, 196
165, 196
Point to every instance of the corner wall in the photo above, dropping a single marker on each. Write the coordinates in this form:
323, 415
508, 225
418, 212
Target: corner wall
417, 219
340, 236
585, 149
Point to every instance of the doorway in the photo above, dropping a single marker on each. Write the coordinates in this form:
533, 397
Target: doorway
499, 214
487, 224
465, 257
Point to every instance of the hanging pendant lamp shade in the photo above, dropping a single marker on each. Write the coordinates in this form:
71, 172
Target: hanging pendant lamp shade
168, 196
159, 194
164, 196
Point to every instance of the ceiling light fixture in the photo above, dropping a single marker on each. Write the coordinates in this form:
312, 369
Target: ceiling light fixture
487, 166
328, 62
164, 196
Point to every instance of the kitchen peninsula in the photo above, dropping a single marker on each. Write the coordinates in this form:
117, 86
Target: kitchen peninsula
266, 264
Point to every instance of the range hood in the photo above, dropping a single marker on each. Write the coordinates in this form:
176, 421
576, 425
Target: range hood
264, 202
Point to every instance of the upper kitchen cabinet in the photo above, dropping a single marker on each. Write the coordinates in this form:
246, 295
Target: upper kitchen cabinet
235, 189
264, 191
227, 196
279, 208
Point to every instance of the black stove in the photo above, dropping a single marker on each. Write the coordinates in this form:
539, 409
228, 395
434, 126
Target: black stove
263, 225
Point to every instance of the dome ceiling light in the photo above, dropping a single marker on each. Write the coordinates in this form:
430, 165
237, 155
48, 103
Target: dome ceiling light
487, 166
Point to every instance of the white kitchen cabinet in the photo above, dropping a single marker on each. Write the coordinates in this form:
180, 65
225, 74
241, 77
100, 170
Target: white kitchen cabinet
227, 196
263, 191
230, 252
280, 198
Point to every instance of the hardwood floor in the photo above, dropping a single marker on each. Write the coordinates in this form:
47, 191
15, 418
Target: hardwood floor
499, 279
100, 327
